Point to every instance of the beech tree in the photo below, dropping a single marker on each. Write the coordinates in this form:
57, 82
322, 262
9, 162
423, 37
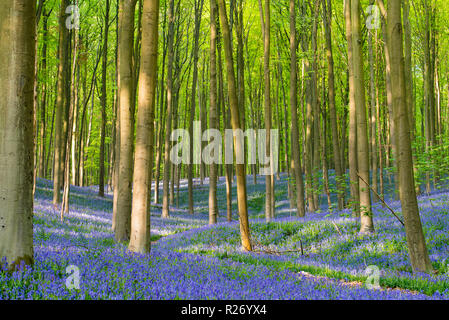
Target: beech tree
17, 76
416, 243
235, 120
143, 163
213, 205
300, 204
362, 137
125, 84
61, 101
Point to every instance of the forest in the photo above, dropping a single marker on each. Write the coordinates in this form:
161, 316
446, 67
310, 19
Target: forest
224, 150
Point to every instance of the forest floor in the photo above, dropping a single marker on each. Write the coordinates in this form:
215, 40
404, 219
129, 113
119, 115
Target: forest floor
321, 256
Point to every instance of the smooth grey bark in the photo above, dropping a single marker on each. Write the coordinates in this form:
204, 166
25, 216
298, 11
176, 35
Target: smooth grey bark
213, 205
296, 155
63, 74
235, 121
17, 77
126, 85
416, 243
140, 241
102, 171
366, 219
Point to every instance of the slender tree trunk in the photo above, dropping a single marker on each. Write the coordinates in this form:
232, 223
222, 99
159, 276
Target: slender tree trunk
332, 109
235, 120
265, 17
392, 130
226, 122
140, 220
325, 167
36, 98
124, 199
315, 108
117, 123
60, 103
309, 123
74, 130
166, 186
70, 124
159, 124
373, 118
104, 101
415, 237
198, 11
366, 219
296, 154
353, 163
213, 206
42, 150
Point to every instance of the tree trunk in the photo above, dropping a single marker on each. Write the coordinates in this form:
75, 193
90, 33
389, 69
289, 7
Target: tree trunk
126, 38
17, 77
309, 125
373, 109
159, 124
235, 120
63, 57
366, 219
213, 206
315, 108
226, 122
42, 150
332, 109
352, 152
198, 11
392, 130
140, 220
296, 155
104, 101
167, 165
415, 237
265, 19
70, 126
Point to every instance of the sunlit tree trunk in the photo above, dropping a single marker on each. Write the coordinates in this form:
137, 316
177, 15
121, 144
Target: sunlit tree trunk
366, 219
315, 107
415, 237
235, 120
213, 207
332, 109
104, 101
126, 38
391, 136
296, 155
60, 102
143, 163
42, 149
198, 11
308, 128
352, 146
373, 109
167, 165
117, 132
265, 19
160, 122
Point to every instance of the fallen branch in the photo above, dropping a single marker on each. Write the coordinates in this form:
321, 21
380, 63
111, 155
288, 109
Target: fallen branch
336, 227
276, 252
380, 198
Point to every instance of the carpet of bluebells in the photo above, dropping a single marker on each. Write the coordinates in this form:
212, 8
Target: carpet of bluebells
321, 256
